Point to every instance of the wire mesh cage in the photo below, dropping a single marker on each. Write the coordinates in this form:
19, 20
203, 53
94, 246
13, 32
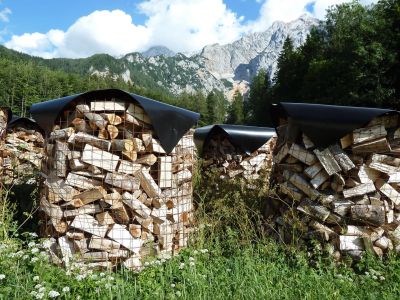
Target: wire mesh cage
345, 195
112, 195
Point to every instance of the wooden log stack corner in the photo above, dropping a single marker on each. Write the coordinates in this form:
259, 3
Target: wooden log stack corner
23, 152
344, 192
114, 192
236, 151
5, 116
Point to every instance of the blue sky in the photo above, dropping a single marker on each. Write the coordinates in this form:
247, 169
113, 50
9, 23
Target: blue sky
80, 28
43, 15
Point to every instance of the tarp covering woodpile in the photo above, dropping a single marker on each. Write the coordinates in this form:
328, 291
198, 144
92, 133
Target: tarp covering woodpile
337, 173
118, 177
23, 151
236, 151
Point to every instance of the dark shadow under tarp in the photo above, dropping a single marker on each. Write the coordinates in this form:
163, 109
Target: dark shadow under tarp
170, 122
246, 138
24, 123
325, 124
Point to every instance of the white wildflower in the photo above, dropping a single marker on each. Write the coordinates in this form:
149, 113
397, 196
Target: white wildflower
31, 244
38, 286
46, 244
33, 293
162, 260
25, 257
178, 293
80, 277
34, 259
181, 266
2, 276
34, 250
157, 262
66, 289
33, 234
229, 270
39, 295
19, 253
54, 294
110, 278
107, 285
195, 252
102, 274
146, 264
204, 251
191, 264
36, 278
374, 277
42, 289
191, 259
382, 278
172, 285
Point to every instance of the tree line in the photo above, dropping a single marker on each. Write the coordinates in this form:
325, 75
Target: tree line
351, 58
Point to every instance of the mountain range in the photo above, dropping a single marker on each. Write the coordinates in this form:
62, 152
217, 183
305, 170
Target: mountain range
228, 68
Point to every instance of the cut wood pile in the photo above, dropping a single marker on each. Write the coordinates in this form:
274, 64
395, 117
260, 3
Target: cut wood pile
347, 195
23, 153
112, 195
3, 126
232, 162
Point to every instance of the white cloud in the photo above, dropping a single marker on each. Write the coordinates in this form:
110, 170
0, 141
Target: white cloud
4, 14
288, 10
181, 25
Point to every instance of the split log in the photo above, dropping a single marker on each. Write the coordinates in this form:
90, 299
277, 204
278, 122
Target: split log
327, 161
302, 154
122, 181
113, 106
99, 158
89, 224
119, 234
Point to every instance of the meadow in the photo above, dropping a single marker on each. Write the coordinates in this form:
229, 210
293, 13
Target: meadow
230, 257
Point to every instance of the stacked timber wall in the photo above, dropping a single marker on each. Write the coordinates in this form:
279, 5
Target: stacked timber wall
346, 194
225, 149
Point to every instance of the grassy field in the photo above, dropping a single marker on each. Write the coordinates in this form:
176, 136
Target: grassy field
230, 259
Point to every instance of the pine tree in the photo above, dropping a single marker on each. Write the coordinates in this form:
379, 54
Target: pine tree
236, 110
257, 106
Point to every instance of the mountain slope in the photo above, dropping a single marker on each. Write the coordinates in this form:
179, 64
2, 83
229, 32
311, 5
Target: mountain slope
226, 68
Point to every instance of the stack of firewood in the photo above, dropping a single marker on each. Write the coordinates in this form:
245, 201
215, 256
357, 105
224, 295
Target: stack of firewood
112, 194
231, 162
347, 195
3, 126
23, 153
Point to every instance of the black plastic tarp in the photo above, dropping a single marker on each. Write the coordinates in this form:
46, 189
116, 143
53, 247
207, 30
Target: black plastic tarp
24, 122
246, 138
170, 122
325, 124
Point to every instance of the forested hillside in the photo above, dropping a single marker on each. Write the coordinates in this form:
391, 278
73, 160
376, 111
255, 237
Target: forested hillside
24, 80
352, 58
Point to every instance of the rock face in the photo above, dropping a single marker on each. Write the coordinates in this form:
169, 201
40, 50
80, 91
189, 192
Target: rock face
157, 51
243, 59
227, 68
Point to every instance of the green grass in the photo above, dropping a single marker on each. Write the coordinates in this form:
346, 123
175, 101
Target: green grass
261, 271
229, 259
